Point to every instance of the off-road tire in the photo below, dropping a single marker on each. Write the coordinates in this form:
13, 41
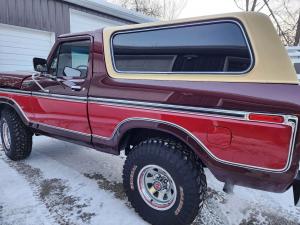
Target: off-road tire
184, 168
20, 136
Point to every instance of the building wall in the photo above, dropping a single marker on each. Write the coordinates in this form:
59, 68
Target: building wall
47, 15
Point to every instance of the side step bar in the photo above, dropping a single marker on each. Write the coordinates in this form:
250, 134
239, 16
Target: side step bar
296, 189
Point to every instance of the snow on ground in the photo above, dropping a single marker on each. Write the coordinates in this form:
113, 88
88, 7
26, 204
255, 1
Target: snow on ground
62, 184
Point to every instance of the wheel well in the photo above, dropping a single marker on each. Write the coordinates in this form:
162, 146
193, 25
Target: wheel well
5, 106
11, 107
135, 136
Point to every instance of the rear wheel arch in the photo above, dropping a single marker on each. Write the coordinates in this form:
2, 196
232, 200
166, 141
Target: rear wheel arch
133, 132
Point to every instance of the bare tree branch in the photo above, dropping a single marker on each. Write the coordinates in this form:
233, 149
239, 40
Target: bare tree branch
237, 4
163, 9
254, 5
289, 12
263, 5
276, 21
283, 13
297, 36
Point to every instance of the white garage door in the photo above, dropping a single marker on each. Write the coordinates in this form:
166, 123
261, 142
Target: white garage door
80, 21
19, 45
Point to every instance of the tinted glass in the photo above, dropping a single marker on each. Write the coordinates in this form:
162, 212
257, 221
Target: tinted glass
74, 55
297, 67
213, 48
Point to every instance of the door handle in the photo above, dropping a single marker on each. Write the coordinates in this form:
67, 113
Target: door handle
72, 85
76, 88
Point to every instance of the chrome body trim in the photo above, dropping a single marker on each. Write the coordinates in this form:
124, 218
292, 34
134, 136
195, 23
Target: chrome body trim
289, 120
17, 91
63, 129
200, 143
241, 115
60, 97
238, 23
223, 113
168, 107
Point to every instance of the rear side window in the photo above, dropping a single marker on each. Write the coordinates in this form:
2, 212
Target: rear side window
216, 47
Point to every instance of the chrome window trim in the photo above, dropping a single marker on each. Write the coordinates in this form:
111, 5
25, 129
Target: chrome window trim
235, 21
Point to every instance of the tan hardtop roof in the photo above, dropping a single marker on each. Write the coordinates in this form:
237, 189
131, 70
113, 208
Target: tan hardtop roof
271, 61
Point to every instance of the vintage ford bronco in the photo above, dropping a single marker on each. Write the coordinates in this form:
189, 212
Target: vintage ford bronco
217, 92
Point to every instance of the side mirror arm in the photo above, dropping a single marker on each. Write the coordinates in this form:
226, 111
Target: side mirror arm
33, 77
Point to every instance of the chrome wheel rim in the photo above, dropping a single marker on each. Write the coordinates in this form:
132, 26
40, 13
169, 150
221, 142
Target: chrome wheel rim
6, 135
156, 187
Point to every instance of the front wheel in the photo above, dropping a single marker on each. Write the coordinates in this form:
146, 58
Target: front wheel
16, 137
164, 182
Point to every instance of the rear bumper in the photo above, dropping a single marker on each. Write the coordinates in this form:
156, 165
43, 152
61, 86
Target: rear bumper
296, 189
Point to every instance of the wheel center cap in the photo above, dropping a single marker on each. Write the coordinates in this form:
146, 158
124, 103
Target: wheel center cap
157, 185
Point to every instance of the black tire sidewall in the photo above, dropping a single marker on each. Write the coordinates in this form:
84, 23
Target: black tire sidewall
21, 137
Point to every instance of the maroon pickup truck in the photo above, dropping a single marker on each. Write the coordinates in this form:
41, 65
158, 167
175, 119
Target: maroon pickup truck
217, 92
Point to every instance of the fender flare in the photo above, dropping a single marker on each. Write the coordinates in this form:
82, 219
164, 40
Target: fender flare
196, 145
163, 126
13, 104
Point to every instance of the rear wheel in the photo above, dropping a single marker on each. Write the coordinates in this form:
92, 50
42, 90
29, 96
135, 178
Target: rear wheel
16, 137
164, 182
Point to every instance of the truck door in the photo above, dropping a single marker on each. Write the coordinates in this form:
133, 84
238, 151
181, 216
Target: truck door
61, 109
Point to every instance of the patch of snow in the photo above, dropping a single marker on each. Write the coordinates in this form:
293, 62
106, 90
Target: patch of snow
246, 203
62, 183
18, 204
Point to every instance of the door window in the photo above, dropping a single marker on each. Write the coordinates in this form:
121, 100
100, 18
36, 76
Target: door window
72, 58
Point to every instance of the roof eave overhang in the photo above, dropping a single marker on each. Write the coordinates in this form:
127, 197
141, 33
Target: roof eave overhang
113, 10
